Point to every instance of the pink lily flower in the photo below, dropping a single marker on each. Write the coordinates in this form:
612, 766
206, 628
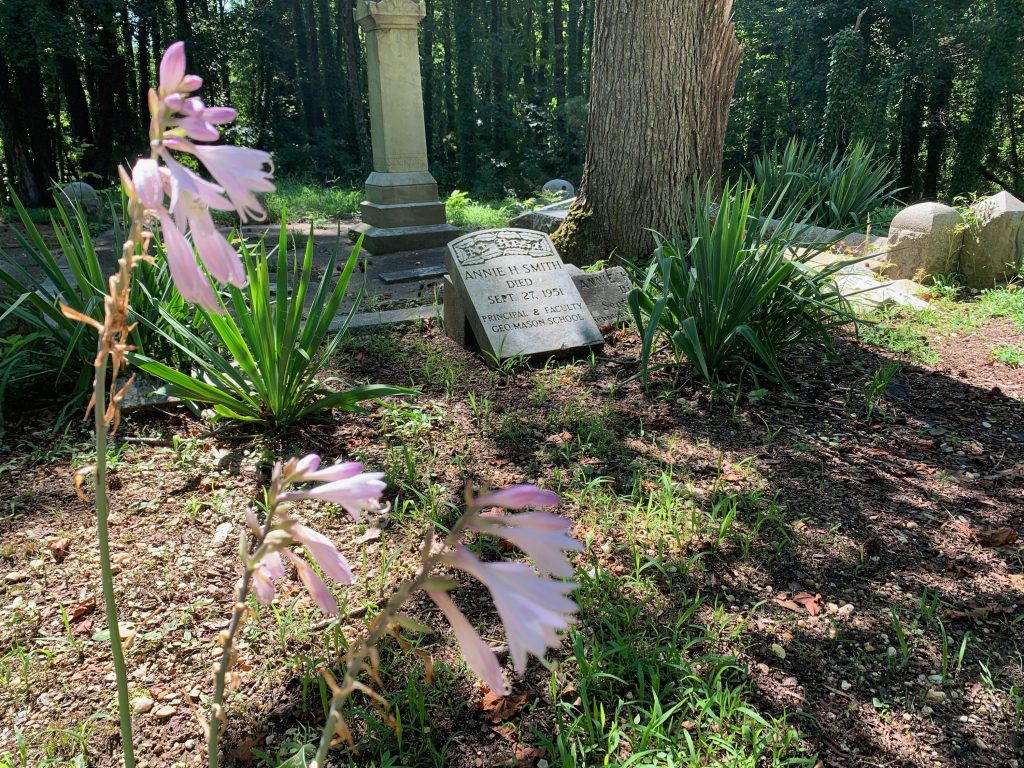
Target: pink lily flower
217, 254
355, 494
532, 608
517, 497
269, 569
478, 654
240, 171
541, 535
148, 183
323, 551
177, 117
191, 282
307, 470
314, 584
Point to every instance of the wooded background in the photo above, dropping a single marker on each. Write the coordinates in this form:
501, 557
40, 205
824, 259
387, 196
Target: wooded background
937, 85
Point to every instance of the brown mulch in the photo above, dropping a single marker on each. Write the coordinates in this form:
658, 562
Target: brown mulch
877, 514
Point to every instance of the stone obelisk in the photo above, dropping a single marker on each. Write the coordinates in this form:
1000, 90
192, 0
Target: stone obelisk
401, 211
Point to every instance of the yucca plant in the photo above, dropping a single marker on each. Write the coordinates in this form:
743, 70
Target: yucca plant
264, 359
60, 349
840, 192
737, 290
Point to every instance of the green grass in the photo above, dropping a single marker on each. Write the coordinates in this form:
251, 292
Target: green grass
9, 215
312, 202
1009, 355
908, 332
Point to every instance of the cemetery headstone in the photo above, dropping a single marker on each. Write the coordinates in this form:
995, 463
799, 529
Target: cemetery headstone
560, 187
518, 296
84, 197
546, 219
994, 248
604, 293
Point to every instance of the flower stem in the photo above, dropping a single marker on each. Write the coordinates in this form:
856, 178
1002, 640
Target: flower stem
107, 574
378, 627
220, 677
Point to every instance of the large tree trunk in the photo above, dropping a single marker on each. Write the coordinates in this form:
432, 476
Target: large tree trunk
661, 81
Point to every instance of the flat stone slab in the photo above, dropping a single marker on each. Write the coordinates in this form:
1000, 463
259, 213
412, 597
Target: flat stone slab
865, 292
386, 317
420, 273
519, 298
546, 219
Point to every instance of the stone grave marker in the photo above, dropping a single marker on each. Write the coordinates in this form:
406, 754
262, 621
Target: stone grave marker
517, 295
604, 292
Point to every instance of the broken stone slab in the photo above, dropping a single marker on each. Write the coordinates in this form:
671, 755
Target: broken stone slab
993, 246
866, 293
924, 241
546, 219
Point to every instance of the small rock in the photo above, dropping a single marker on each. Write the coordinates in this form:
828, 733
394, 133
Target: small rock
16, 577
846, 685
845, 611
939, 679
164, 712
926, 710
142, 705
221, 534
936, 696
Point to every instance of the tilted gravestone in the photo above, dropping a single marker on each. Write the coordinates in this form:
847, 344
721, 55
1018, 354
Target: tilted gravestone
517, 296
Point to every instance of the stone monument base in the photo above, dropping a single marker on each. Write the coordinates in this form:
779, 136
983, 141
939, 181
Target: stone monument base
379, 241
401, 212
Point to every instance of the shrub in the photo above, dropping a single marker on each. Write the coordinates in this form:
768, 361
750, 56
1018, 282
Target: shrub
738, 292
49, 344
842, 191
263, 361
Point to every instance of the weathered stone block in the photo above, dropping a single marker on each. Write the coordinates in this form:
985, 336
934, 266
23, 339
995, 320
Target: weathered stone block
924, 240
993, 248
604, 292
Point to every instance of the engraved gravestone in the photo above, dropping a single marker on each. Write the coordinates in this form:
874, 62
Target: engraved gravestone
518, 296
604, 292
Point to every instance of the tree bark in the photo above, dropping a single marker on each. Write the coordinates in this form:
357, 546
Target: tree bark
661, 82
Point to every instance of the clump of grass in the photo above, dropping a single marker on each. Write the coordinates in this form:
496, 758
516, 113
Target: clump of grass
1009, 355
900, 335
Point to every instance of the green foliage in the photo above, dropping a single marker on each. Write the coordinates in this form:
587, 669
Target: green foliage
842, 191
1009, 355
463, 211
47, 344
264, 362
737, 293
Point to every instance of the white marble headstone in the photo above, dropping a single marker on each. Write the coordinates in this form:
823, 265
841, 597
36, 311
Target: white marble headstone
518, 295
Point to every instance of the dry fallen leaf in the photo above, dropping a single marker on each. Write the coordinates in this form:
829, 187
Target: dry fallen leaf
499, 708
996, 537
811, 603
